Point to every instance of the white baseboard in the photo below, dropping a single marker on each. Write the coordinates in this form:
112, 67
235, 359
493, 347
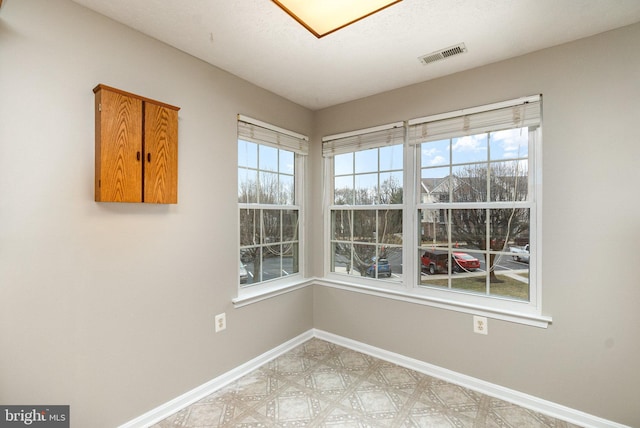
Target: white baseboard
165, 410
521, 399
548, 408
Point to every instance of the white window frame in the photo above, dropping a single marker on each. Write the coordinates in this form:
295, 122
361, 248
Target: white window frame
530, 312
375, 137
263, 133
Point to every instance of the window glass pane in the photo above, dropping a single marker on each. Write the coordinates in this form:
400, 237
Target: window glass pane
470, 183
343, 193
271, 226
433, 228
434, 262
249, 227
511, 284
434, 153
247, 186
390, 188
341, 258
394, 257
469, 228
251, 259
366, 161
269, 193
287, 164
435, 185
268, 158
287, 190
508, 227
467, 280
391, 158
390, 227
290, 259
289, 225
247, 154
341, 222
509, 181
470, 148
510, 144
343, 164
364, 226
271, 262
366, 189
363, 259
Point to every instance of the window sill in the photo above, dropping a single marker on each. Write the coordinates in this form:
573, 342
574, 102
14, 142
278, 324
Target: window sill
534, 320
261, 292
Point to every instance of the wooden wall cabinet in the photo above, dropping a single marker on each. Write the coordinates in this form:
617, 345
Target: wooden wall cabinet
136, 148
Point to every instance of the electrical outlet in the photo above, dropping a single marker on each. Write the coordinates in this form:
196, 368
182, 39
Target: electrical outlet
221, 322
480, 325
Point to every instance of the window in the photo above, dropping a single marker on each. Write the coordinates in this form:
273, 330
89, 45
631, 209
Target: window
270, 161
366, 207
456, 193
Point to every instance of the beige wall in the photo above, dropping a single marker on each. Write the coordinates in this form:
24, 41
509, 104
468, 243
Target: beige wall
588, 358
110, 307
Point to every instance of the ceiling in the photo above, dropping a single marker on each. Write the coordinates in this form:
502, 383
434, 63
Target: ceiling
259, 42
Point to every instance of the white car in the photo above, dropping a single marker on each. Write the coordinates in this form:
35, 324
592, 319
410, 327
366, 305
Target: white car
244, 275
521, 254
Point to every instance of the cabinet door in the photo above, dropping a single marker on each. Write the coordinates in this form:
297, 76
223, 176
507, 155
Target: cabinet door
161, 154
118, 147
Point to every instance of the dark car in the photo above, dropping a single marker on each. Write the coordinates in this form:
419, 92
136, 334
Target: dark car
382, 266
464, 262
435, 261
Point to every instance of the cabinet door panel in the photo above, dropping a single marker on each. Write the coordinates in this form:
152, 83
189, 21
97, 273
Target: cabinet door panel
161, 154
118, 166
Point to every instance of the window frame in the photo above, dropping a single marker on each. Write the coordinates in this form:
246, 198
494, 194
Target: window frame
409, 288
282, 139
378, 137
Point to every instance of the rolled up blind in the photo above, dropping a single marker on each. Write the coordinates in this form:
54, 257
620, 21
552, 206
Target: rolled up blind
380, 136
511, 114
259, 132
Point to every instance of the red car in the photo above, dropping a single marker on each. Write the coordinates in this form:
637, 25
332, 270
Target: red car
464, 262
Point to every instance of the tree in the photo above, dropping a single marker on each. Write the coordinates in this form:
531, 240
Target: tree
505, 182
369, 230
260, 226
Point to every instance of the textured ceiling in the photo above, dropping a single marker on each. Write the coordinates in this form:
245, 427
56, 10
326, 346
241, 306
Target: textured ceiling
257, 41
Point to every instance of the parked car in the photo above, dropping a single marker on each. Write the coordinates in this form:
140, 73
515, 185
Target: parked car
435, 261
521, 254
464, 262
383, 267
244, 275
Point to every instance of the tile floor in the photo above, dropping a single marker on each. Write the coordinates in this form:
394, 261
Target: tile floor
320, 384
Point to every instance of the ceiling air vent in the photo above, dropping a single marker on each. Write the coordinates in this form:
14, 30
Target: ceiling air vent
443, 54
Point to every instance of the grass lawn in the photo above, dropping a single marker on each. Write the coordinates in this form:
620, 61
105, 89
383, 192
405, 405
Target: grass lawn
507, 287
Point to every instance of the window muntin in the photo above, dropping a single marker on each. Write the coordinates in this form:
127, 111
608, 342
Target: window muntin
366, 204
483, 210
472, 201
269, 204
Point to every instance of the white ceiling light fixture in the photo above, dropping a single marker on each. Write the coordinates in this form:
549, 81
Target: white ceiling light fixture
323, 17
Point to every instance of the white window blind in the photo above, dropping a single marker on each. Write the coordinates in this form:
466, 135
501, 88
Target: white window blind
385, 135
259, 132
513, 114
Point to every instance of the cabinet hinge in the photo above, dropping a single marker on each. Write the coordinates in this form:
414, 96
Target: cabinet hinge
100, 107
99, 183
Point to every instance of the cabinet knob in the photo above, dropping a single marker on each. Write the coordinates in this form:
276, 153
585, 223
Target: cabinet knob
148, 157
138, 156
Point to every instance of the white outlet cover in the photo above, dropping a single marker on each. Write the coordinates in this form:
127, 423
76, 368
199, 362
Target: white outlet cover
221, 322
480, 325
